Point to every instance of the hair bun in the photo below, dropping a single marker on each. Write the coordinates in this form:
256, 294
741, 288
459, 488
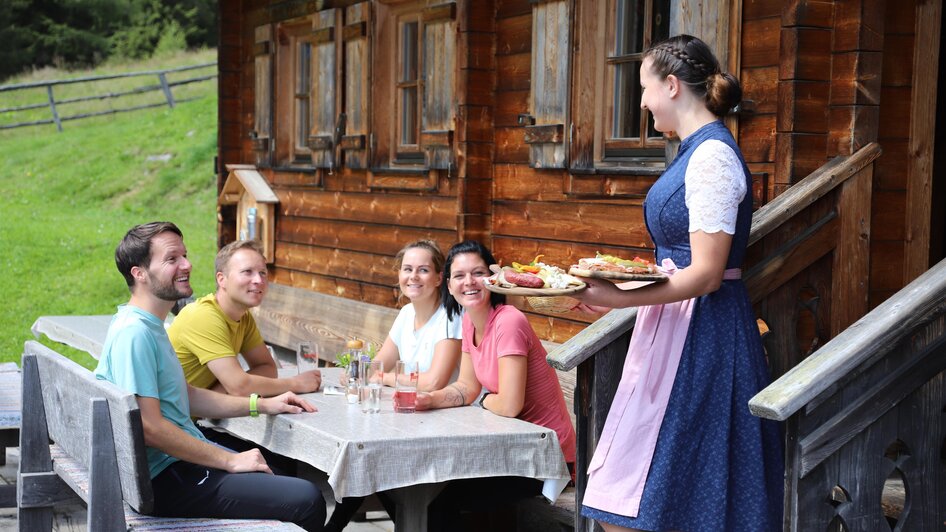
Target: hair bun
722, 93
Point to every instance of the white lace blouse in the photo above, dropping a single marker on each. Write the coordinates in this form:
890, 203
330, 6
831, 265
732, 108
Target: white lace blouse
715, 185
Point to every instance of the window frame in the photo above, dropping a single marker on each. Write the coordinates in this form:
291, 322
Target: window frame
411, 154
291, 149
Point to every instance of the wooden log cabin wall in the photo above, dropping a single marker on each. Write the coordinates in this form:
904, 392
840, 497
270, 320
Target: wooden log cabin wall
515, 122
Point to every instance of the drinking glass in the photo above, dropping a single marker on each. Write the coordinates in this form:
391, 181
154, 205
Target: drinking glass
307, 356
405, 386
372, 374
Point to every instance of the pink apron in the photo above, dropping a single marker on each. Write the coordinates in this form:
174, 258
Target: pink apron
619, 468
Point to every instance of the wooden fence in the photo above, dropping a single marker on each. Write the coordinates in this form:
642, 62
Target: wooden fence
163, 85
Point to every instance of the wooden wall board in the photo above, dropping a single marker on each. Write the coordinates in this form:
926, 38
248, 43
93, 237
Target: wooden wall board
617, 186
369, 293
573, 221
852, 127
477, 162
757, 138
809, 13
554, 329
364, 237
856, 78
477, 17
418, 210
900, 17
479, 87
859, 25
894, 112
756, 9
798, 155
888, 172
513, 72
512, 8
760, 85
477, 121
802, 54
897, 60
886, 265
514, 34
519, 182
510, 145
887, 208
482, 51
509, 105
352, 265
804, 107
760, 42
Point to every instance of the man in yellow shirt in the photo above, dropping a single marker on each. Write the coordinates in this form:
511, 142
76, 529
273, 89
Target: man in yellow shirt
208, 333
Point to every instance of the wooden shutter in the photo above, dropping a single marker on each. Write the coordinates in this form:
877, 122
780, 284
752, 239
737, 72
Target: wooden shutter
323, 94
438, 117
263, 95
354, 145
545, 128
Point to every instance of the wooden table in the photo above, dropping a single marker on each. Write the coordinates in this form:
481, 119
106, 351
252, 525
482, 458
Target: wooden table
86, 333
410, 455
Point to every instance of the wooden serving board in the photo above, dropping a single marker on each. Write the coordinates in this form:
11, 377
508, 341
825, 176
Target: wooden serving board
618, 276
532, 292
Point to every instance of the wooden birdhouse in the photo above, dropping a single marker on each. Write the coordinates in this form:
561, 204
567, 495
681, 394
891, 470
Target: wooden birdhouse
255, 205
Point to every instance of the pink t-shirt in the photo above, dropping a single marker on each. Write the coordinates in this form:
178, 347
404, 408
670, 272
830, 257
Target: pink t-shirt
508, 333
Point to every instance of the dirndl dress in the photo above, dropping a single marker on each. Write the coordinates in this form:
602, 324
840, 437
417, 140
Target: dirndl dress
680, 449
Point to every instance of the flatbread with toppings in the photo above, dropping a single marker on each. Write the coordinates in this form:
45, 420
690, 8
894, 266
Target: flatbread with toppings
615, 268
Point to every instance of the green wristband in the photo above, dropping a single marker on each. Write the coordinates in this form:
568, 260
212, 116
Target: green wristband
254, 397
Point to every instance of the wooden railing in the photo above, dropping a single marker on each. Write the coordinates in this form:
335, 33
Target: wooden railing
55, 105
810, 241
865, 419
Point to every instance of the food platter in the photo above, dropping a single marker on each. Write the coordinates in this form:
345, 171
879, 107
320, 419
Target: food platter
618, 276
490, 284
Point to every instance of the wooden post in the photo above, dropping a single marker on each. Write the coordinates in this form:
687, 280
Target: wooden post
851, 268
34, 446
167, 89
52, 107
104, 485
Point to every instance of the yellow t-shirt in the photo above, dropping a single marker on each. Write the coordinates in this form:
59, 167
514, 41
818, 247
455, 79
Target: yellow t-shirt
202, 332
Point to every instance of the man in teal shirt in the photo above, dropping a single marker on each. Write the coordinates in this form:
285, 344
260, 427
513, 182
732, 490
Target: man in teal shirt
190, 476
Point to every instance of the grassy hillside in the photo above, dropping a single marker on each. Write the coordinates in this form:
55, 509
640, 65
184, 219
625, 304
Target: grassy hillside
68, 198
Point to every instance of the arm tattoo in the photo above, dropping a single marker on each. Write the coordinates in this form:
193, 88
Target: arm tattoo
455, 395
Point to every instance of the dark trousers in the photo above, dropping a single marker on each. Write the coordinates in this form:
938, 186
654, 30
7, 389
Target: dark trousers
346, 509
190, 490
281, 465
469, 504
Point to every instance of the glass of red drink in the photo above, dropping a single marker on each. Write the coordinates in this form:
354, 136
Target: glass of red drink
405, 386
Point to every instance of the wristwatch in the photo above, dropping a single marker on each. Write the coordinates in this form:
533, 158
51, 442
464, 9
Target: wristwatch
482, 400
254, 397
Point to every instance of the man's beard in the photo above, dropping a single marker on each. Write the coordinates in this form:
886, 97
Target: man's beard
167, 291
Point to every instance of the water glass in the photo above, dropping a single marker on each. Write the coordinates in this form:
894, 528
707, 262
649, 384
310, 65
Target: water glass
372, 377
405, 386
307, 356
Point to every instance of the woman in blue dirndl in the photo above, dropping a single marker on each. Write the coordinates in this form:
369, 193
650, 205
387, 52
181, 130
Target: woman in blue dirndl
680, 449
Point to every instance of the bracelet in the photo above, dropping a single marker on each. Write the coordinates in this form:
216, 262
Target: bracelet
482, 400
254, 397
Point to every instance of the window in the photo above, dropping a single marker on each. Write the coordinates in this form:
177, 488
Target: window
303, 59
319, 83
636, 25
408, 91
607, 131
415, 77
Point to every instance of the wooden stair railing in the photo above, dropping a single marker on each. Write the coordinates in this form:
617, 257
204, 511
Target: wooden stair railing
865, 419
821, 221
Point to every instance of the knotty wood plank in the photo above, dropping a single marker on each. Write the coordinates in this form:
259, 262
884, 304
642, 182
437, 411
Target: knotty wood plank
510, 145
757, 138
509, 105
859, 25
798, 155
760, 42
760, 85
513, 72
803, 54
435, 212
923, 102
857, 77
386, 296
355, 236
852, 127
353, 265
520, 182
589, 222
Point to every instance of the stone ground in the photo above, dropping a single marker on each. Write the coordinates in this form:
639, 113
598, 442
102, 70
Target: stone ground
71, 517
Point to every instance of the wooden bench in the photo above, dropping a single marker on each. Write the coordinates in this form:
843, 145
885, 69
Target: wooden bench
10, 392
97, 453
290, 315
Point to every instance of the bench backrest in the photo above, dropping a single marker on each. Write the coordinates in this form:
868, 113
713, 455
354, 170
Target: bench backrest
67, 391
290, 315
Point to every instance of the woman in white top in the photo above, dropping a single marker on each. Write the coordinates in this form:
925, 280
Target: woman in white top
422, 332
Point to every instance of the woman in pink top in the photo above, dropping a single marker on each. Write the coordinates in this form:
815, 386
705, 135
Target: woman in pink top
501, 353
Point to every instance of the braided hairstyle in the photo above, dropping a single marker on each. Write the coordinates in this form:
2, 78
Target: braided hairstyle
693, 63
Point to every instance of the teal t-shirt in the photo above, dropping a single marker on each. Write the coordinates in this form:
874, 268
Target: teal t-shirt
137, 357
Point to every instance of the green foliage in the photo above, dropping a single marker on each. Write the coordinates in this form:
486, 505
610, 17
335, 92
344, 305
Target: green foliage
81, 33
69, 198
344, 359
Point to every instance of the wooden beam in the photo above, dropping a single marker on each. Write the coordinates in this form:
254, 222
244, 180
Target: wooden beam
922, 134
850, 271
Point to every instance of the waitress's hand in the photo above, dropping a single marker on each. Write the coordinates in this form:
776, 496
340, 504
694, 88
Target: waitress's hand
600, 296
